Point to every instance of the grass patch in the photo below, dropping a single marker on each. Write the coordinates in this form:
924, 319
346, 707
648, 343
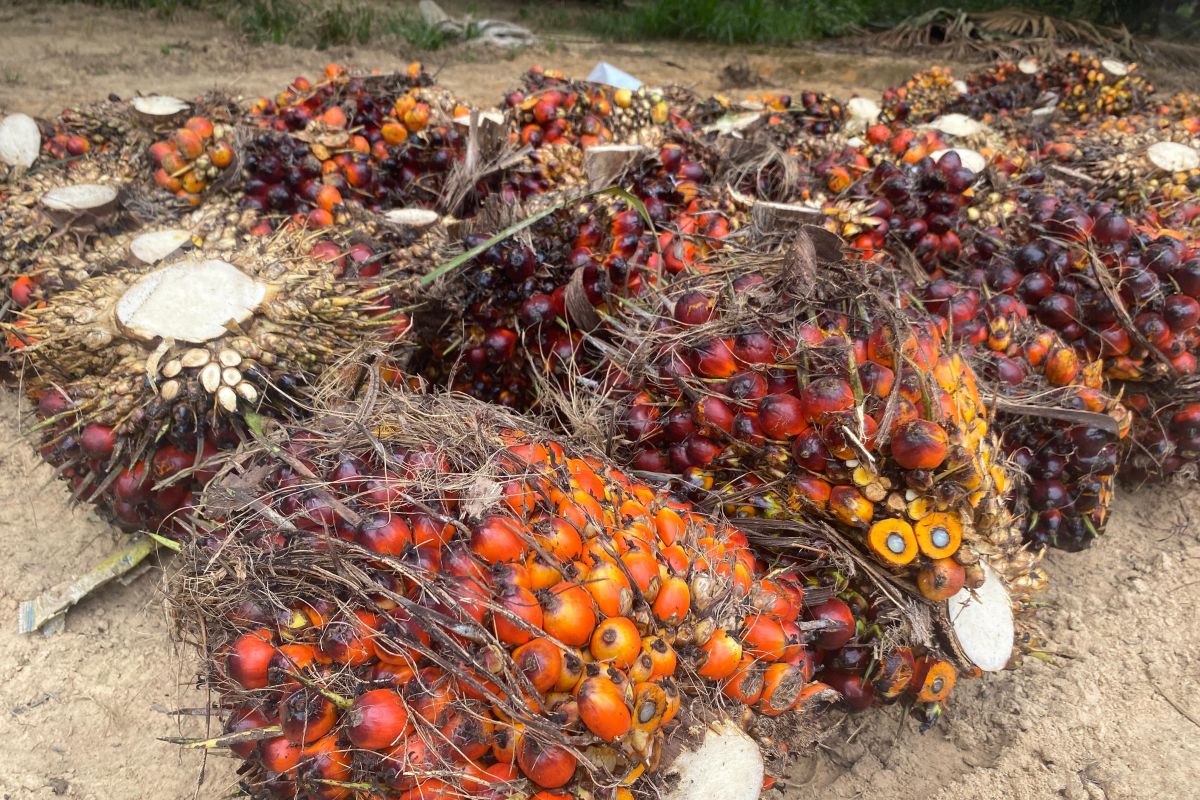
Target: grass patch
307, 23
728, 21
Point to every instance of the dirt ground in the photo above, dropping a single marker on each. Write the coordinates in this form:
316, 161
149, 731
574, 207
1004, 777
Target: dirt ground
1114, 715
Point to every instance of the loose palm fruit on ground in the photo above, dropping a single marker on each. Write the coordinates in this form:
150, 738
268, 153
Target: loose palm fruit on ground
141, 375
453, 599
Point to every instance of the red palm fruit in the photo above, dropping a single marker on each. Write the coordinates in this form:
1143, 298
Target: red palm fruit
932, 680
547, 765
305, 716
541, 661
782, 416
694, 308
848, 505
673, 601
557, 537
609, 588
919, 444
289, 661
279, 755
326, 760
894, 672
188, 144
385, 533
523, 616
662, 656
348, 641
97, 441
940, 579
1182, 313
377, 720
720, 656
754, 348
857, 693
745, 685
221, 154
782, 684
713, 416
468, 733
201, 126
568, 613
616, 642
602, 708
842, 625
764, 638
826, 396
246, 717
498, 539
715, 359
249, 659
640, 563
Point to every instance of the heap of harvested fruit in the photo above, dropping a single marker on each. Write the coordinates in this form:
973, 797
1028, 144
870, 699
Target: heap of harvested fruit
455, 607
141, 374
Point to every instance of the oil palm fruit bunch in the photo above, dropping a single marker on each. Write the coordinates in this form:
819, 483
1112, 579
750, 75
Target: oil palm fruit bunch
1004, 89
779, 402
459, 607
361, 98
550, 108
783, 117
1140, 164
1166, 432
140, 375
519, 298
1115, 291
1090, 88
1055, 422
922, 97
920, 206
288, 177
41, 267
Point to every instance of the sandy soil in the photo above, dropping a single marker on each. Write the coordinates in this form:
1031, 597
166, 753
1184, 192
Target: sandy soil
1115, 714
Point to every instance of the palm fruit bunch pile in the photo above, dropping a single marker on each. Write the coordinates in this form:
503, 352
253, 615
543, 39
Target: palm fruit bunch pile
140, 375
459, 607
382, 141
549, 108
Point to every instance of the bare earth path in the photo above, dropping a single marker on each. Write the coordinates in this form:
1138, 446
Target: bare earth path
1114, 716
